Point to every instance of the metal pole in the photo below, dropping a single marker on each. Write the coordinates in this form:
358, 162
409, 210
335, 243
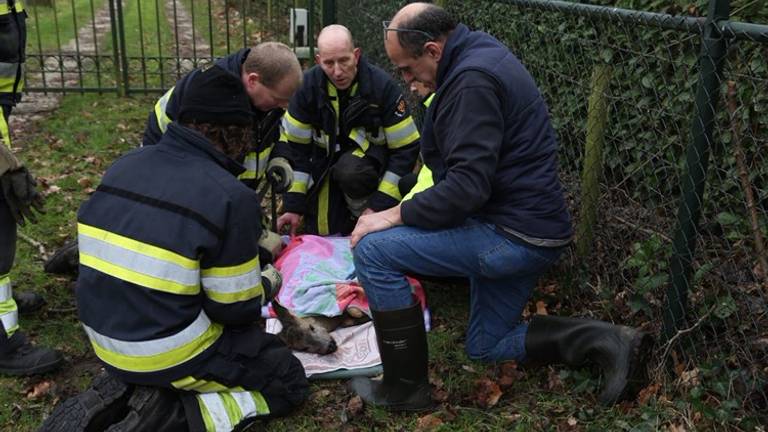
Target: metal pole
311, 29
711, 58
329, 12
123, 53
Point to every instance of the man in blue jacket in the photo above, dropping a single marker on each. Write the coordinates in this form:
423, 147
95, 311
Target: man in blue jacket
496, 215
171, 285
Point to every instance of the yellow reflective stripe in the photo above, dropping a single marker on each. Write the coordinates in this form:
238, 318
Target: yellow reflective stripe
358, 152
191, 383
388, 185
207, 419
295, 130
232, 409
9, 314
261, 403
5, 287
333, 95
423, 182
5, 133
235, 270
157, 354
137, 246
300, 182
428, 101
4, 9
322, 210
162, 118
358, 135
401, 134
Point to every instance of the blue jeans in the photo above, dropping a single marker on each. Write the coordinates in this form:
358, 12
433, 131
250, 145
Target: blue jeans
502, 274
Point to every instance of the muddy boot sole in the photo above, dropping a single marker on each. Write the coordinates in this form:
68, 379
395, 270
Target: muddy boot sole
104, 403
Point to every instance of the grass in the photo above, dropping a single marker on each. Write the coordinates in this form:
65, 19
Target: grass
49, 27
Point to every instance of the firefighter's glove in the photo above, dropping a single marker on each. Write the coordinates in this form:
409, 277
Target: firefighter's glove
279, 174
8, 161
19, 189
271, 280
271, 244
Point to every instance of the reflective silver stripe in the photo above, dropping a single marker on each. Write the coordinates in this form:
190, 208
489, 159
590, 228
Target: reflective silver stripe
245, 401
299, 134
250, 162
154, 346
10, 320
380, 137
137, 262
215, 407
300, 177
320, 140
232, 284
8, 70
358, 135
5, 288
391, 177
401, 134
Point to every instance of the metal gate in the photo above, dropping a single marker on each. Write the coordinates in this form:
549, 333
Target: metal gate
144, 46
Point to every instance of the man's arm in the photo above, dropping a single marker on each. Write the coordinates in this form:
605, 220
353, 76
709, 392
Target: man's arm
402, 138
469, 131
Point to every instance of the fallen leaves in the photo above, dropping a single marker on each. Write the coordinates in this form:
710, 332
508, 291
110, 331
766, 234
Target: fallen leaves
486, 393
40, 389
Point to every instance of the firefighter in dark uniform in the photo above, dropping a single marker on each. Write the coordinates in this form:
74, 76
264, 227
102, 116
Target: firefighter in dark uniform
350, 139
270, 73
171, 284
17, 199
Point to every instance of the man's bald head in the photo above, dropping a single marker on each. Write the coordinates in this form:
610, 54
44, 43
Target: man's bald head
334, 35
337, 55
426, 22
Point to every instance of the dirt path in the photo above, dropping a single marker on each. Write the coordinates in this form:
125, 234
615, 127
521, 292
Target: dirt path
62, 68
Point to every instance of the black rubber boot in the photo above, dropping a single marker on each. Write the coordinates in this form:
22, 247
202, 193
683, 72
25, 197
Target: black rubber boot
20, 357
620, 352
153, 409
402, 344
28, 302
104, 403
65, 260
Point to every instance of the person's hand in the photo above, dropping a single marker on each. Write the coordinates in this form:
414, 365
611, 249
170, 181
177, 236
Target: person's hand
280, 174
367, 212
369, 223
288, 218
273, 279
271, 242
19, 189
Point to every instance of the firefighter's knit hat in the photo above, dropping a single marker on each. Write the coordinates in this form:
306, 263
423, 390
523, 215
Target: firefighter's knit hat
213, 95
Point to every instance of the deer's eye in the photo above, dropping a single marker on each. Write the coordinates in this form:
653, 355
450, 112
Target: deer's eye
311, 327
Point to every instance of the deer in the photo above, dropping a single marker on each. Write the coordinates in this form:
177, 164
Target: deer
313, 333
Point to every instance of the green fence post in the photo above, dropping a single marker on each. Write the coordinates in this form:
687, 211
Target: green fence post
592, 169
123, 54
329, 12
711, 58
115, 49
311, 29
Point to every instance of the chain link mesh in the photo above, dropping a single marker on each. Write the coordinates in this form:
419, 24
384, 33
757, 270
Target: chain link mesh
626, 165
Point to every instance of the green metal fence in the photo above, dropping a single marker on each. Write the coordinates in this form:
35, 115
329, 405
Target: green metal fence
144, 46
663, 126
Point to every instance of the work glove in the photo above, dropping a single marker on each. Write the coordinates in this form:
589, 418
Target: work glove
8, 161
271, 280
19, 189
279, 174
270, 245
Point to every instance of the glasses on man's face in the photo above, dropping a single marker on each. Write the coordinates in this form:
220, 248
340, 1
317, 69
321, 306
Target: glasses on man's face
388, 29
